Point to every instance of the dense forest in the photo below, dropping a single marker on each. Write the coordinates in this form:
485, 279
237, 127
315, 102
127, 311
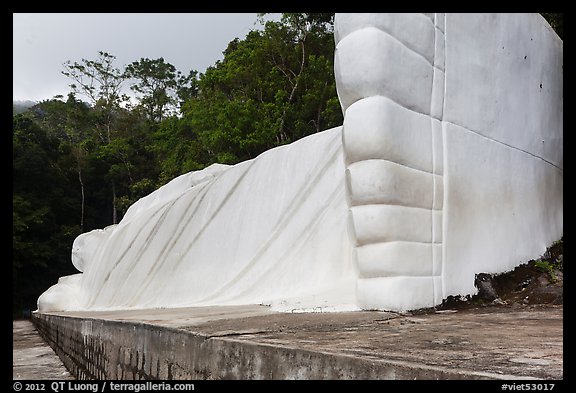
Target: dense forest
80, 161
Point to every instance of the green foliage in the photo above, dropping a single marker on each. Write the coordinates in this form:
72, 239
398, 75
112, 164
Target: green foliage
272, 88
99, 80
545, 266
43, 213
552, 260
160, 87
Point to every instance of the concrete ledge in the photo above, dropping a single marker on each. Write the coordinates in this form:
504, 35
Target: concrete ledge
251, 342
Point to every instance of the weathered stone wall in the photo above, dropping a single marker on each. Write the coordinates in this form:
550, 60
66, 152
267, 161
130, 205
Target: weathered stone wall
100, 349
78, 353
118, 350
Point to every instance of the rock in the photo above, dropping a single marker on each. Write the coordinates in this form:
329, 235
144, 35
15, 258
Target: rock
485, 285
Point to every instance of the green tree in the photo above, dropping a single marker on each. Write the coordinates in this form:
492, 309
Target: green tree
156, 85
129, 159
273, 87
177, 149
101, 82
160, 88
187, 87
69, 121
44, 220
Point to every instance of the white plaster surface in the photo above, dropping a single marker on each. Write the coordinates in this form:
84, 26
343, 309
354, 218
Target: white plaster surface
363, 69
271, 230
449, 163
494, 87
381, 121
502, 207
453, 149
62, 296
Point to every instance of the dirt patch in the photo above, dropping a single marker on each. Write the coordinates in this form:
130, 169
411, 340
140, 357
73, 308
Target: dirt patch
537, 282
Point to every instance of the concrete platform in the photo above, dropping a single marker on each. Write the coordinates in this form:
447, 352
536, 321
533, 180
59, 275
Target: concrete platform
32, 358
252, 342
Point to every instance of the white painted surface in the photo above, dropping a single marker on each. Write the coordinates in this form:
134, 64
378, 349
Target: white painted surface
502, 207
449, 163
271, 230
62, 296
494, 87
453, 140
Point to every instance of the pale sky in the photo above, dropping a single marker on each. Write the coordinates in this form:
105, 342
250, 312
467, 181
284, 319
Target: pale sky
43, 42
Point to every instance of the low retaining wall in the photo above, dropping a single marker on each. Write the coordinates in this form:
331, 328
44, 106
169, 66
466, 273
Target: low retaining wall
127, 350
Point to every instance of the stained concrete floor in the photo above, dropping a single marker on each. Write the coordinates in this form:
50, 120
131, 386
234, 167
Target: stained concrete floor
486, 342
32, 358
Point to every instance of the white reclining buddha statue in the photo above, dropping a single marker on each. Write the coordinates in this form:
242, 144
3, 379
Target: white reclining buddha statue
449, 163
